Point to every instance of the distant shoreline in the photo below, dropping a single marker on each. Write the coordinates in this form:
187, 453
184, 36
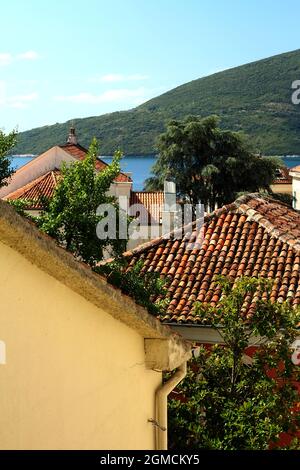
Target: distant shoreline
141, 155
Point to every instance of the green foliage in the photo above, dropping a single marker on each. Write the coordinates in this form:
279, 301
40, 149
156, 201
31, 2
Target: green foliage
143, 287
283, 197
228, 402
208, 164
71, 215
20, 206
255, 98
7, 142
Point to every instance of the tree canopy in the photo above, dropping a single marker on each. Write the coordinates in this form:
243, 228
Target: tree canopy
209, 164
234, 398
7, 142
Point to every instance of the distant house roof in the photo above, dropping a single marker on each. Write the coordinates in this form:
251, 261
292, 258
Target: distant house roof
153, 202
37, 190
283, 176
79, 152
76, 150
254, 236
43, 186
295, 169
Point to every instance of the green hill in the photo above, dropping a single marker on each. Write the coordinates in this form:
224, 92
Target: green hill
255, 98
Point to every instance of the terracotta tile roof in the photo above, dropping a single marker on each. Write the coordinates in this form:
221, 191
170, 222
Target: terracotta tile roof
38, 189
76, 151
283, 176
43, 187
296, 169
80, 152
153, 202
255, 236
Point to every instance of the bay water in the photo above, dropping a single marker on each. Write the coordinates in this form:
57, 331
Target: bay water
140, 166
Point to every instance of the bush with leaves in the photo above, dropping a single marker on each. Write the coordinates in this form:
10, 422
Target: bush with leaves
231, 401
7, 142
143, 287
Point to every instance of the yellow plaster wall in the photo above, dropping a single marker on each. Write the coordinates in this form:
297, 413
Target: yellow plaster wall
74, 377
282, 188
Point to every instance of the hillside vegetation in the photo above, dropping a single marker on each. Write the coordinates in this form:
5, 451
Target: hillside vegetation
255, 98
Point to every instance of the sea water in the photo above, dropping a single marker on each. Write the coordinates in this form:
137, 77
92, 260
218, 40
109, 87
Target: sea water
140, 166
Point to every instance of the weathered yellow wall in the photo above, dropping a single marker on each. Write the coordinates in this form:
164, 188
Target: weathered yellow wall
74, 376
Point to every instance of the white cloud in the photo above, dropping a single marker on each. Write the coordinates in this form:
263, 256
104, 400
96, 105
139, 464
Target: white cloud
111, 77
137, 76
124, 94
28, 55
118, 77
21, 101
6, 58
15, 101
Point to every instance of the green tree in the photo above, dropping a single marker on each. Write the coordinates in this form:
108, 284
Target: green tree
142, 286
7, 142
71, 215
209, 164
229, 400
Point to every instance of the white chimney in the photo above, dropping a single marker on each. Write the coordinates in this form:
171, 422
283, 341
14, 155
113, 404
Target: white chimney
169, 211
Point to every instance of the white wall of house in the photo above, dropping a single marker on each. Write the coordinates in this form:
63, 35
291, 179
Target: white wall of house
40, 165
121, 189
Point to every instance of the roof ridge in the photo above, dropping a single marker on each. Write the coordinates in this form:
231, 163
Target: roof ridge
148, 192
99, 159
253, 215
247, 197
74, 145
239, 206
54, 176
173, 233
295, 168
83, 149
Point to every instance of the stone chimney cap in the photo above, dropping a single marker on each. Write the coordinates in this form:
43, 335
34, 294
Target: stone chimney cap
72, 138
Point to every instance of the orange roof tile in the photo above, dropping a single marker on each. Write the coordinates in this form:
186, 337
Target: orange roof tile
296, 169
255, 236
76, 150
153, 202
37, 190
80, 152
43, 187
283, 176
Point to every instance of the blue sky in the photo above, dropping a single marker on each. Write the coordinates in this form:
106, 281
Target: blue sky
65, 59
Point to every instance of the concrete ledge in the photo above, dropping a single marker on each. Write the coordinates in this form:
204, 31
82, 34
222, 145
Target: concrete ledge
166, 354
41, 250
